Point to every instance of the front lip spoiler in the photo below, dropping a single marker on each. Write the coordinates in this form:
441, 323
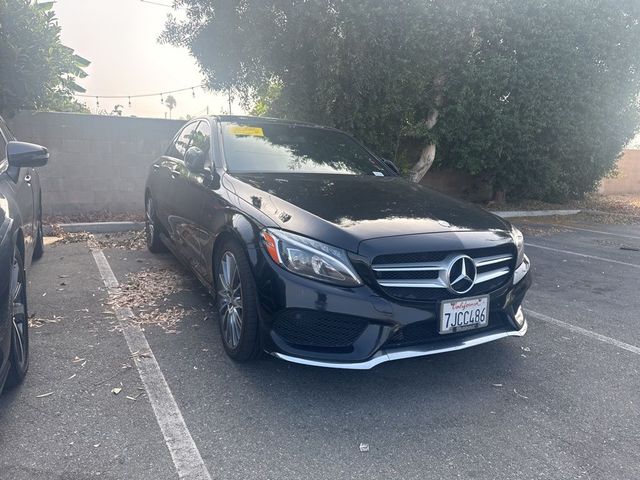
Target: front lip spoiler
402, 353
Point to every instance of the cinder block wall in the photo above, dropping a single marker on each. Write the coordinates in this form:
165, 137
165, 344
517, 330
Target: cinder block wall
98, 163
628, 178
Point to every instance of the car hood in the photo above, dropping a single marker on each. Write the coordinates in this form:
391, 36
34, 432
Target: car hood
358, 208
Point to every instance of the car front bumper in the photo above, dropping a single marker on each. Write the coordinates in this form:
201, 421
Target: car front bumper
382, 356
371, 320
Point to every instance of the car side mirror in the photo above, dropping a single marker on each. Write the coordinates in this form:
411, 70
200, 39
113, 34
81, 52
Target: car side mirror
21, 154
194, 160
391, 165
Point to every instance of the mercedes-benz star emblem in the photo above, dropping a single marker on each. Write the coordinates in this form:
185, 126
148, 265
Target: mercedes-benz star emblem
461, 274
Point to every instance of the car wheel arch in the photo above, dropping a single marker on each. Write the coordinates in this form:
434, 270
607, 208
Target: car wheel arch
241, 231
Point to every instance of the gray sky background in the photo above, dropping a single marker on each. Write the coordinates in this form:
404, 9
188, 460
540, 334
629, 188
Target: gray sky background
119, 37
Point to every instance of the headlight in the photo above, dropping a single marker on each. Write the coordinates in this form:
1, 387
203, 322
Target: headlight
518, 239
310, 258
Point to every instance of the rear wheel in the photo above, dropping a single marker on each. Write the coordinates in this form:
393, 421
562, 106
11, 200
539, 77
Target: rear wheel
236, 303
19, 353
152, 228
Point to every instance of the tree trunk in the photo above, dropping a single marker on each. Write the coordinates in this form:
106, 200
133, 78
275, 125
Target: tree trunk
499, 196
428, 154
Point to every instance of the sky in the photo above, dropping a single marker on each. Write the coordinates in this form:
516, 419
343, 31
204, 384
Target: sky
119, 37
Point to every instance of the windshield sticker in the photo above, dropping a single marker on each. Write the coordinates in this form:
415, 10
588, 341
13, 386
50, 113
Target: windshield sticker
245, 130
378, 174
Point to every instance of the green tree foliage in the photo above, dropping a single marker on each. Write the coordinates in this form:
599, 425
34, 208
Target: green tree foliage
536, 97
36, 70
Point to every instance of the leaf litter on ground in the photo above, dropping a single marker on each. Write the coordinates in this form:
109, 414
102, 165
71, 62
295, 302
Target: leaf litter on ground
149, 294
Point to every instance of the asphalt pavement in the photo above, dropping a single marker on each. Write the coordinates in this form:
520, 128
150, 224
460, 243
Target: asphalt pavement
563, 402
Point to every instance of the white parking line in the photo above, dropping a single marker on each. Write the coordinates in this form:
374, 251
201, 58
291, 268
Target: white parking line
584, 331
183, 450
568, 252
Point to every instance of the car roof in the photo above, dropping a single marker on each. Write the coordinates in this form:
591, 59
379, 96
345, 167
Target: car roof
263, 120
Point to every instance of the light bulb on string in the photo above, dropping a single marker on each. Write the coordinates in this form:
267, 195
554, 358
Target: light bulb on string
193, 93
97, 102
129, 102
161, 99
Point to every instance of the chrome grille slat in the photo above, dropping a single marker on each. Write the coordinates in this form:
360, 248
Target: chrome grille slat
483, 261
486, 276
428, 283
409, 267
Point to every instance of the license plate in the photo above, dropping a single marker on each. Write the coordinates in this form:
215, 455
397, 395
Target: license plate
464, 314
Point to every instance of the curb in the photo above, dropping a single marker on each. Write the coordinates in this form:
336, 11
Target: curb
534, 213
96, 227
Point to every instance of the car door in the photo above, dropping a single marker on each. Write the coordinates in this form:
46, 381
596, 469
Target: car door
191, 188
168, 171
22, 179
216, 202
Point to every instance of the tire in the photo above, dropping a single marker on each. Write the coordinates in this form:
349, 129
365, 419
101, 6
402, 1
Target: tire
38, 249
19, 352
236, 299
152, 228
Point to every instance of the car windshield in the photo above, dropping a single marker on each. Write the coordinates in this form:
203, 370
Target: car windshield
279, 148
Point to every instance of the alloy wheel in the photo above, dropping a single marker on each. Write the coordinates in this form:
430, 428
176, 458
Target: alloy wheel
230, 303
19, 315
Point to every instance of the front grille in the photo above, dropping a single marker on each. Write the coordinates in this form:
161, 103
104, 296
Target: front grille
309, 328
422, 276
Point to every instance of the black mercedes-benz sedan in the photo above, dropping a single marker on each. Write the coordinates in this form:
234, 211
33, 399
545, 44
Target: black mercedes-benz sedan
317, 251
21, 241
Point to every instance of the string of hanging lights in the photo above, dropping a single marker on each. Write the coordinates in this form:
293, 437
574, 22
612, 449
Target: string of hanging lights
143, 95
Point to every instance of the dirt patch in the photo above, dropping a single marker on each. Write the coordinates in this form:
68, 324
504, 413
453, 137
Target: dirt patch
150, 295
533, 228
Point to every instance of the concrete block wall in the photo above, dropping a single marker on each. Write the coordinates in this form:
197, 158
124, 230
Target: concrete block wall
97, 163
628, 178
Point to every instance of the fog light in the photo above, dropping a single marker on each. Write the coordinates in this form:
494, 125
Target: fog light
519, 317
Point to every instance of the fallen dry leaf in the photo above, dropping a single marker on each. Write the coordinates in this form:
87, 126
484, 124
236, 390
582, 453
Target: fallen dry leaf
149, 294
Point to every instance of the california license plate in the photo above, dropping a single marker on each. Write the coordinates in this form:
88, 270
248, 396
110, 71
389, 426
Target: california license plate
464, 314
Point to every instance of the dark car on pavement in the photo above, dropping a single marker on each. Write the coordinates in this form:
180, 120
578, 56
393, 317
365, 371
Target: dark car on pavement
318, 252
21, 241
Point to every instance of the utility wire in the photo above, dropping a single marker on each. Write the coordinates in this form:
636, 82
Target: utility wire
157, 3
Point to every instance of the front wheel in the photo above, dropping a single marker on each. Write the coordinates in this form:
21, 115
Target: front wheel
236, 303
152, 228
19, 353
38, 249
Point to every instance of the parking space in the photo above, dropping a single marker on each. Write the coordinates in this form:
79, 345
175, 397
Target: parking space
557, 403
